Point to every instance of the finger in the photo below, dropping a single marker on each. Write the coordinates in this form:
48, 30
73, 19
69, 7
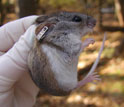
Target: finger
98, 79
96, 76
94, 73
10, 32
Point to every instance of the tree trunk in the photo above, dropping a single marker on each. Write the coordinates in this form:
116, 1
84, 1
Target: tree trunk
1, 14
100, 13
119, 6
27, 7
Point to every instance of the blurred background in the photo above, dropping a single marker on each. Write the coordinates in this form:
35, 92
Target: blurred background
110, 19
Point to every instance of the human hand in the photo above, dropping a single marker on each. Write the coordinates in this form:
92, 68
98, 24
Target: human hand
16, 87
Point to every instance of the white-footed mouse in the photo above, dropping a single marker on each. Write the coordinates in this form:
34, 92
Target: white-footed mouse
54, 57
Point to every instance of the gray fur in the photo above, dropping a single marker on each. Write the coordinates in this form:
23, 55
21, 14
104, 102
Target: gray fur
53, 61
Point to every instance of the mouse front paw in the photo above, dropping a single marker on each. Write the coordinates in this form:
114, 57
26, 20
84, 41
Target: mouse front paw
87, 42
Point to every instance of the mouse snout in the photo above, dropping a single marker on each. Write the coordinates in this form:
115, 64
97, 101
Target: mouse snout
91, 22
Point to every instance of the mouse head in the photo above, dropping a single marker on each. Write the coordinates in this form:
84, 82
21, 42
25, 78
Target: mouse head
68, 22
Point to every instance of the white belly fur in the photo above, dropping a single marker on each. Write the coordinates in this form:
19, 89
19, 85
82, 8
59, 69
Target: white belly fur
65, 74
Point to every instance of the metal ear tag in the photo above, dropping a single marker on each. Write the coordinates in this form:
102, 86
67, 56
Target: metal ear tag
41, 35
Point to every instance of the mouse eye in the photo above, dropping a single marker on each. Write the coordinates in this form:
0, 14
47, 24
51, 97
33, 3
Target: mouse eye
76, 19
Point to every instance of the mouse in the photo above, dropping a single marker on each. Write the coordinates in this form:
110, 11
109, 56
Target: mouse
56, 48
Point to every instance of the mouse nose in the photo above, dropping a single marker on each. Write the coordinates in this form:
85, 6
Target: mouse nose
91, 22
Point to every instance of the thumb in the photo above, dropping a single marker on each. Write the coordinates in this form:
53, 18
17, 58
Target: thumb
14, 63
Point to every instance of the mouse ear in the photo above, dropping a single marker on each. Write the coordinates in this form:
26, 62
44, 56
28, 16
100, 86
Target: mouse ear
43, 30
41, 19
